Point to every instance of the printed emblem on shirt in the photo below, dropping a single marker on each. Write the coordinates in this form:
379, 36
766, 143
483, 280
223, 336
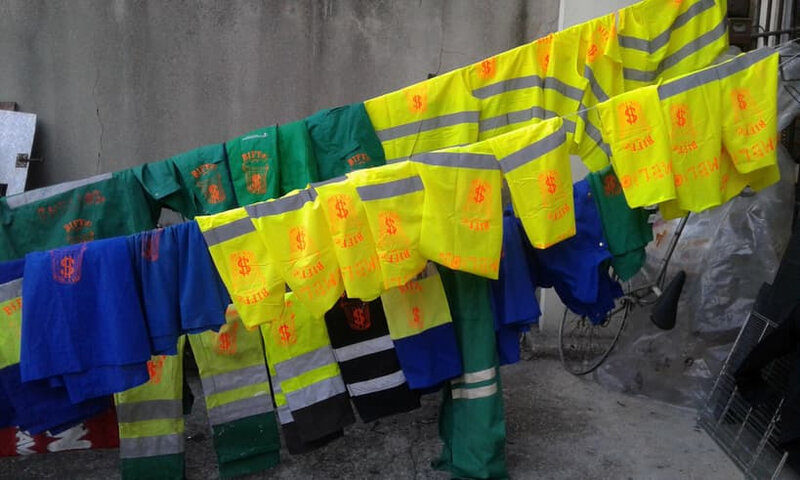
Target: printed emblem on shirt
477, 205
417, 99
155, 368
256, 168
415, 320
225, 342
298, 240
543, 47
611, 185
151, 244
284, 329
79, 231
356, 313
487, 69
209, 183
358, 160
67, 263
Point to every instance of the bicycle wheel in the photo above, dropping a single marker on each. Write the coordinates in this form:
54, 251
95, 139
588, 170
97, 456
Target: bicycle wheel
584, 346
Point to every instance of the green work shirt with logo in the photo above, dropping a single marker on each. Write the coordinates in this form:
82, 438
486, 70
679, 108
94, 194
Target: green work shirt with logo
108, 206
627, 230
344, 140
254, 165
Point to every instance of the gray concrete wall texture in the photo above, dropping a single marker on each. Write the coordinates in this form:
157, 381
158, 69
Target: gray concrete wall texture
117, 83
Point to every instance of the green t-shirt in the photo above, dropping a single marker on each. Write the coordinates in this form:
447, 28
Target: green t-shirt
627, 230
344, 140
298, 166
113, 205
254, 167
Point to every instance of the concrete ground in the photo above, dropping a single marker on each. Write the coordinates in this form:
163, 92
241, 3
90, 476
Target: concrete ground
559, 427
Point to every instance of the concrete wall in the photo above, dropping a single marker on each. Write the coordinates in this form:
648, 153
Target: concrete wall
120, 82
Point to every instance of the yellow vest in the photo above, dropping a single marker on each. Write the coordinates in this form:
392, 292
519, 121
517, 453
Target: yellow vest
417, 306
393, 196
749, 118
301, 247
462, 218
352, 239
661, 39
10, 334
635, 129
255, 285
437, 113
535, 162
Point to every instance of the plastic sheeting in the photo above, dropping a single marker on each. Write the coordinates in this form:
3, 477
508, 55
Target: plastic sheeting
727, 253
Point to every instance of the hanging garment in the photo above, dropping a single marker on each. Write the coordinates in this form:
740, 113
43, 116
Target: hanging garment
535, 162
749, 87
181, 289
300, 247
299, 352
422, 330
627, 230
254, 283
93, 344
462, 214
34, 406
513, 299
437, 113
640, 148
365, 352
691, 105
192, 183
353, 243
578, 267
254, 165
298, 165
471, 419
391, 196
236, 388
344, 140
602, 59
100, 207
661, 39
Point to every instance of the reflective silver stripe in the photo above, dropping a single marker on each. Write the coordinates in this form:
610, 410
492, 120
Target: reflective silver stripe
516, 117
533, 151
247, 407
285, 415
25, 198
743, 62
570, 125
338, 179
475, 377
692, 47
229, 231
304, 363
360, 349
530, 81
719, 72
315, 393
236, 379
695, 45
282, 205
149, 410
662, 39
151, 446
473, 393
11, 290
595, 134
458, 160
420, 126
390, 189
597, 90
377, 384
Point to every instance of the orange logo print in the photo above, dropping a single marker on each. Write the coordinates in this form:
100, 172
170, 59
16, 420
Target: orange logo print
95, 197
415, 321
611, 186
226, 340
487, 68
79, 231
254, 164
285, 333
357, 315
549, 183
298, 239
543, 47
155, 367
339, 207
358, 160
680, 115
390, 223
417, 100
150, 246
241, 263
628, 114
66, 264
